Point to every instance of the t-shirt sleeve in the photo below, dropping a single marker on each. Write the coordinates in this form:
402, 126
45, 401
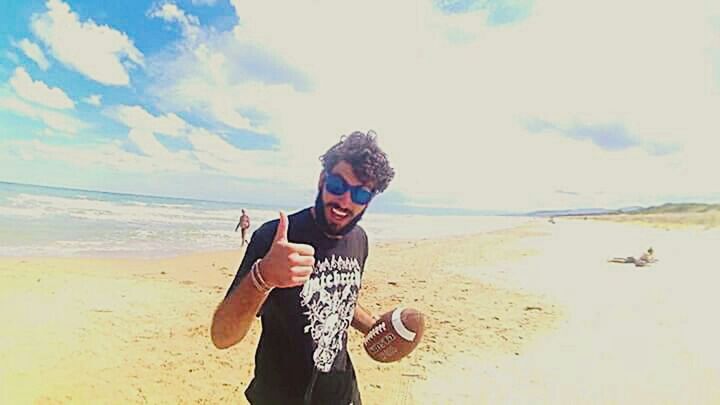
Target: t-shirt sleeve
367, 246
257, 248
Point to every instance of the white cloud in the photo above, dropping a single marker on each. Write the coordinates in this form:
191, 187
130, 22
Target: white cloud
55, 120
49, 132
108, 155
229, 115
144, 127
94, 99
148, 144
208, 149
170, 12
450, 113
98, 51
202, 75
225, 158
209, 153
201, 72
39, 92
137, 117
33, 51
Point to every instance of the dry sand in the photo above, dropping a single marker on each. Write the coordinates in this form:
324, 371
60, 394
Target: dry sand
628, 335
529, 315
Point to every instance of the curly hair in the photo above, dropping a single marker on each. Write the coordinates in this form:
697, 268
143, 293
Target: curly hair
362, 152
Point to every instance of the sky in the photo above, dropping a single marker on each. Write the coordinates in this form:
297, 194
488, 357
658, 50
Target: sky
493, 105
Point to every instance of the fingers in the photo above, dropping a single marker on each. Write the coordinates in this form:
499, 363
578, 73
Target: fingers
301, 271
302, 260
302, 249
296, 281
300, 274
282, 229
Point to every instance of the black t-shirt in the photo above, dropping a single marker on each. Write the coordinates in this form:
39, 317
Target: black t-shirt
305, 328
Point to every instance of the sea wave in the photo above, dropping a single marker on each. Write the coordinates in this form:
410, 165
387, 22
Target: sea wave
56, 222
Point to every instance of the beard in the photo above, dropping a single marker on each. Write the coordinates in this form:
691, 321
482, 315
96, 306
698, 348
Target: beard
322, 222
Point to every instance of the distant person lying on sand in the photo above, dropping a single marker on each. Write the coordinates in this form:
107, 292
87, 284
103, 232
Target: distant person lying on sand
644, 259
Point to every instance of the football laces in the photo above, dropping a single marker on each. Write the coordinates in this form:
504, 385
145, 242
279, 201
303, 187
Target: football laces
376, 330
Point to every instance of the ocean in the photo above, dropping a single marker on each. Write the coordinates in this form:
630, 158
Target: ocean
49, 221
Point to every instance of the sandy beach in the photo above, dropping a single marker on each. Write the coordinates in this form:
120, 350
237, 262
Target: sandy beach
533, 314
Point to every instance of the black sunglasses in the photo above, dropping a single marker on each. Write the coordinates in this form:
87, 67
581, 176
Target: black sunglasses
336, 185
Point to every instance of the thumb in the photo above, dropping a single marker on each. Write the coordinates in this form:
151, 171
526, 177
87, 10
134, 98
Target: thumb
282, 229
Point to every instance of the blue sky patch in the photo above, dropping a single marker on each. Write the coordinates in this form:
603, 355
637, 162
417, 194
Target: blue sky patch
249, 61
499, 11
611, 137
249, 140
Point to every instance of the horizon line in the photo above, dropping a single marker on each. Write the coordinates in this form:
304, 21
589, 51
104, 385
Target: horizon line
129, 194
388, 207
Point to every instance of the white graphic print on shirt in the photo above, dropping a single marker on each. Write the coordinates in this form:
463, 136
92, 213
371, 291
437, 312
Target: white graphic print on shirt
330, 295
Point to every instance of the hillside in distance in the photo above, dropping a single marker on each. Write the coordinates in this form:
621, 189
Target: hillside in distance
679, 208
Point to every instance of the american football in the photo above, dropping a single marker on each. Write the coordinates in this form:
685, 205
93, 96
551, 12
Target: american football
395, 335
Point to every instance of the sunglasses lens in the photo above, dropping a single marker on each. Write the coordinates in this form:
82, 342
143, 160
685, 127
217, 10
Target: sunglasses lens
361, 196
335, 184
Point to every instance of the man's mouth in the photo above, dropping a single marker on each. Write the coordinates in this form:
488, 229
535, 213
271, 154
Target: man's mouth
338, 214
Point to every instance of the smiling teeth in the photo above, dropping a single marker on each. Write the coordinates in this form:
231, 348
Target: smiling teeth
339, 213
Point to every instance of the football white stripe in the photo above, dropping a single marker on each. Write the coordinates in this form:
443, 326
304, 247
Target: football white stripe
404, 332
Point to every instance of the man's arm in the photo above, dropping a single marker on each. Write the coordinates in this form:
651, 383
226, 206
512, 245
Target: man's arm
236, 313
284, 265
362, 320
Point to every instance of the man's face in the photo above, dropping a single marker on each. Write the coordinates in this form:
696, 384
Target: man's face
341, 210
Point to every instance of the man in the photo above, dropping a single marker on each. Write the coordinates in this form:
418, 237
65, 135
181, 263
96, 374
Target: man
302, 274
244, 225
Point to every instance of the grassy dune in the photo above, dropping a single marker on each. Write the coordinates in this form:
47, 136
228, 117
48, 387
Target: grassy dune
670, 216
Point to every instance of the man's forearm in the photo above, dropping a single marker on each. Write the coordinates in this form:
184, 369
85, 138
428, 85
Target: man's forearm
236, 313
362, 320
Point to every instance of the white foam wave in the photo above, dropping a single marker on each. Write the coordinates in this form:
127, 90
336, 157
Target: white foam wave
79, 224
39, 206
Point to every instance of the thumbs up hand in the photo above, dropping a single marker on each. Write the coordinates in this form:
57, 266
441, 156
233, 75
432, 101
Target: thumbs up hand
286, 264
